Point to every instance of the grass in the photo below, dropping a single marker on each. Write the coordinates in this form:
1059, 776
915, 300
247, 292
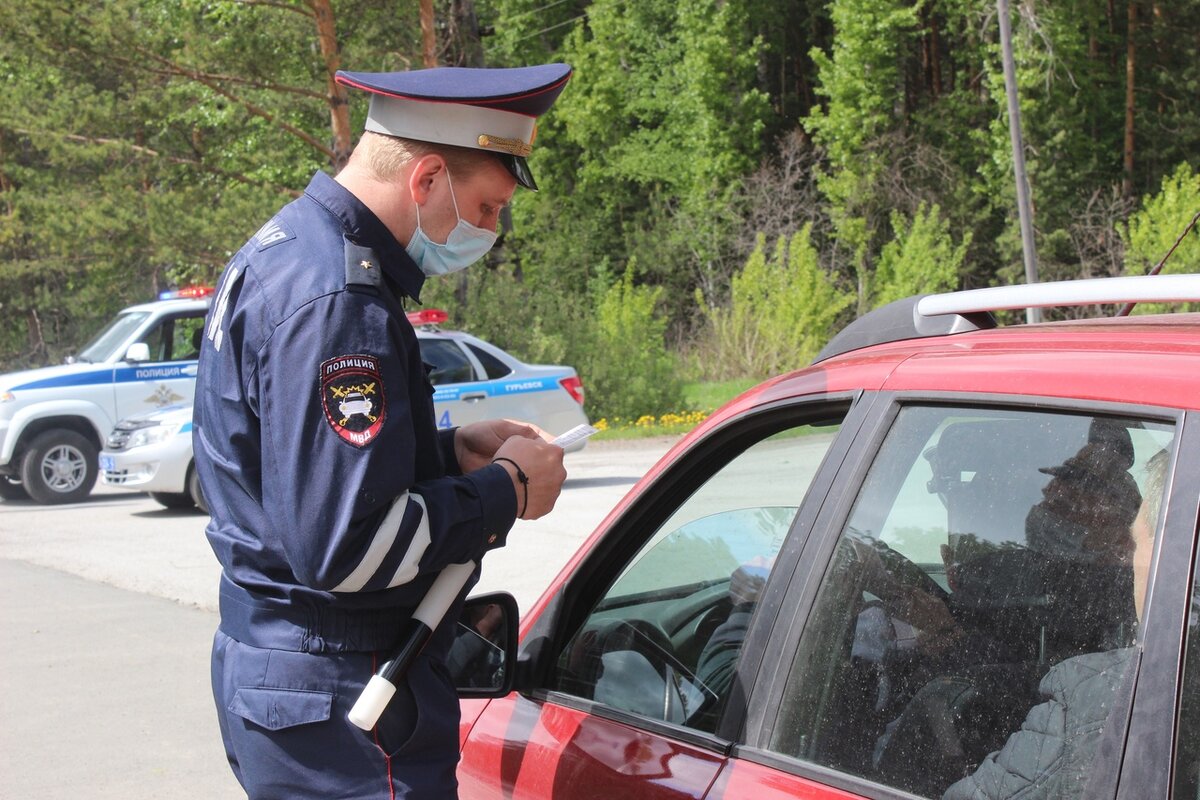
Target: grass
699, 400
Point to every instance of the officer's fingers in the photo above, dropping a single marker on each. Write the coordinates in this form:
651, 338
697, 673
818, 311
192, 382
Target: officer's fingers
526, 430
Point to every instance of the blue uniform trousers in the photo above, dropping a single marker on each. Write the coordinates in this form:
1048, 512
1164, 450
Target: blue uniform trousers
283, 719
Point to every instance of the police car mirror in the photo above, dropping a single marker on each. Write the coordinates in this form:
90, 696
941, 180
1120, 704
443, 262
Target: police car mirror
138, 351
483, 656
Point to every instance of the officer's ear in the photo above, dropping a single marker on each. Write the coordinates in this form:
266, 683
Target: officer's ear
427, 169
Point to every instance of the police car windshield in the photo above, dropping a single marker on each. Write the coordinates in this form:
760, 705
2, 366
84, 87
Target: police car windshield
104, 345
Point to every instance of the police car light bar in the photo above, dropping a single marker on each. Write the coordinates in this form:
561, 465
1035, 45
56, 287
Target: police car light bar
1091, 291
427, 316
188, 293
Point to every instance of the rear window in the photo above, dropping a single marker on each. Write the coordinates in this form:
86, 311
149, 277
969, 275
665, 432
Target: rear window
493, 367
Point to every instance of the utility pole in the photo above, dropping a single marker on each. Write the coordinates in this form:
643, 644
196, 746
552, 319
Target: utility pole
1024, 209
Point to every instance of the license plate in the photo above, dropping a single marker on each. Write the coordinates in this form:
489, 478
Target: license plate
107, 464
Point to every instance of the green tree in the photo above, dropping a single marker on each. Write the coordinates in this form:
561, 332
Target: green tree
860, 80
143, 140
782, 310
627, 371
923, 257
1154, 229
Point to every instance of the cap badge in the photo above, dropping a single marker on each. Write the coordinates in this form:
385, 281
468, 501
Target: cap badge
352, 397
514, 147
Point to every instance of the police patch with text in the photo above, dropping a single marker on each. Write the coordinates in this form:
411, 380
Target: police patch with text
352, 397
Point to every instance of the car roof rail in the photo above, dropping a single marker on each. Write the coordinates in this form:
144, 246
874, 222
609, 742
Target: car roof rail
923, 316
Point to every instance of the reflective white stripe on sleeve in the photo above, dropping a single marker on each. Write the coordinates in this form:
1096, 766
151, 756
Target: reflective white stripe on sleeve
381, 545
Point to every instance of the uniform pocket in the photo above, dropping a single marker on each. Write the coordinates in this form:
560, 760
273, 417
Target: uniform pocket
276, 709
399, 722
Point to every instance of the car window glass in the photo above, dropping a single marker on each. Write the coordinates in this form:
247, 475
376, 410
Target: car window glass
493, 367
175, 339
975, 624
103, 346
447, 362
664, 640
1186, 785
186, 337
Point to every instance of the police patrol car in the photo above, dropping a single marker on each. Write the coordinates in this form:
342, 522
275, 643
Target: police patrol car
53, 420
472, 379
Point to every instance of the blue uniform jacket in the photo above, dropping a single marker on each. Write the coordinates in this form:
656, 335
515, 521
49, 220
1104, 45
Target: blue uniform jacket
335, 500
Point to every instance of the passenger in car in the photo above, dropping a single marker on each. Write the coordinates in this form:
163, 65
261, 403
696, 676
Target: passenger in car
1050, 756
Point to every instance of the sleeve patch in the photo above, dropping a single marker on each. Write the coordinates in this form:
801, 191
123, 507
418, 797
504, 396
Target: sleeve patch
352, 397
272, 233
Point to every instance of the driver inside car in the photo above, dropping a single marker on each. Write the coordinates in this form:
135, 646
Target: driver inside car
1051, 755
720, 654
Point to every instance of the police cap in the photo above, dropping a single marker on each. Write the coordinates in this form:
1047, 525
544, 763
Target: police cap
484, 109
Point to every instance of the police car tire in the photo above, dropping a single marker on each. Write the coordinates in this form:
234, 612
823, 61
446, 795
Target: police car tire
172, 499
75, 444
12, 489
194, 490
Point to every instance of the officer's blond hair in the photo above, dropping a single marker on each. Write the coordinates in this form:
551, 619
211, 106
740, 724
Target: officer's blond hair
386, 156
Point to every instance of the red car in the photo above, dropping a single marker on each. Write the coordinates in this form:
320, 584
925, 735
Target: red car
947, 560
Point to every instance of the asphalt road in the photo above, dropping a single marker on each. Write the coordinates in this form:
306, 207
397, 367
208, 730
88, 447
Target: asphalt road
109, 610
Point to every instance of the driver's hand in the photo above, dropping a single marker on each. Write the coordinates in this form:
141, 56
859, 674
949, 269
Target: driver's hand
925, 612
747, 581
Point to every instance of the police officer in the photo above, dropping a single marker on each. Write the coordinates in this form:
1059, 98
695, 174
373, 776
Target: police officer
335, 500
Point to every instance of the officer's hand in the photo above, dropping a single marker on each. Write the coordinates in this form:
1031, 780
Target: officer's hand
475, 445
542, 464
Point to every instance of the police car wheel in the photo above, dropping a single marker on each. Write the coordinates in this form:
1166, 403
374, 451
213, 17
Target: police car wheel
172, 499
60, 466
11, 489
197, 494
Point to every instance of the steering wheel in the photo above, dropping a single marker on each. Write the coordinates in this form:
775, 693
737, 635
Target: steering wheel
634, 650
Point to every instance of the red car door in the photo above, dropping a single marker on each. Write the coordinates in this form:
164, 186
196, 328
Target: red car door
638, 673
522, 748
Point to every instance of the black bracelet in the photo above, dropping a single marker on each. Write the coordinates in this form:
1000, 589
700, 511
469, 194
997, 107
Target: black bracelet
522, 477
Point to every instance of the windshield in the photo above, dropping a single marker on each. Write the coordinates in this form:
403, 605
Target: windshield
104, 346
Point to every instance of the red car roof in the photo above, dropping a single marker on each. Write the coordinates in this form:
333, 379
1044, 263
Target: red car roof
1147, 359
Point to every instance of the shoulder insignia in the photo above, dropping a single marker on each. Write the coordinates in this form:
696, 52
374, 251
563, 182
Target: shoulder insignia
271, 234
352, 397
362, 266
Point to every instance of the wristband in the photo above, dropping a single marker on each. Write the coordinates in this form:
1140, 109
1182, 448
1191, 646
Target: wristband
522, 478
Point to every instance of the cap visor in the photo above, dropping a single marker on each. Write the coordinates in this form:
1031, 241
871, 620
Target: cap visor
519, 169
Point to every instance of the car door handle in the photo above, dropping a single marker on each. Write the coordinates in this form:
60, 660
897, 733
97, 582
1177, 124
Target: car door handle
190, 370
471, 397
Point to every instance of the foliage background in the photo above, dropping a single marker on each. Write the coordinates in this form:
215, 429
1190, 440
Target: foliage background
725, 183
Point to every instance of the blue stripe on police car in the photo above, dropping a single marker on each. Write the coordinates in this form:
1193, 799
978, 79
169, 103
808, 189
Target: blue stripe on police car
442, 394
120, 375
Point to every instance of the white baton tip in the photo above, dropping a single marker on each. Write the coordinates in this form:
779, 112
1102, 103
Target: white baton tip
371, 703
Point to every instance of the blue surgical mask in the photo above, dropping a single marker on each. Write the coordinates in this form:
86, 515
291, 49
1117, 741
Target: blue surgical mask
465, 245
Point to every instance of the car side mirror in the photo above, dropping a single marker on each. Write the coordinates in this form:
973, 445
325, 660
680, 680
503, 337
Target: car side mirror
483, 656
138, 351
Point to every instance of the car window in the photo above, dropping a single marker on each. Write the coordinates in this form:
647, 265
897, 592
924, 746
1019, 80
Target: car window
493, 367
975, 624
103, 346
175, 339
447, 362
664, 639
1186, 784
